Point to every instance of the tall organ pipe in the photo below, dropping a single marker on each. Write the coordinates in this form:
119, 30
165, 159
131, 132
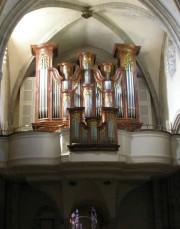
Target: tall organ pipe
39, 95
128, 91
45, 93
132, 93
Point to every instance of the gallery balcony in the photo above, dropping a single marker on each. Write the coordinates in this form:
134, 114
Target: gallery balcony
141, 154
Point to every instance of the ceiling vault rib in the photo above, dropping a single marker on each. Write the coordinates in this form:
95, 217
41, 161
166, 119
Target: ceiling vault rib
55, 3
122, 6
166, 20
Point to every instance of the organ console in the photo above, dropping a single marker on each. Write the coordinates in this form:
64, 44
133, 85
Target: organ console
93, 101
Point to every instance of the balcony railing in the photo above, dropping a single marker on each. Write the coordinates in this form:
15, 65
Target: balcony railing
5, 132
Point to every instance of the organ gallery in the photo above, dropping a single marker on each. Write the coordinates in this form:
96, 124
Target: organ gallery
92, 100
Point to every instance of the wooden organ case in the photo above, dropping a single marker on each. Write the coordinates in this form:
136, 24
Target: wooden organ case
93, 101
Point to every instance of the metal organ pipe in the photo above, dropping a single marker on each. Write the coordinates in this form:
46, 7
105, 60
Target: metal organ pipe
98, 101
131, 107
40, 95
96, 90
45, 93
133, 98
53, 99
127, 88
130, 92
88, 93
56, 100
118, 99
77, 96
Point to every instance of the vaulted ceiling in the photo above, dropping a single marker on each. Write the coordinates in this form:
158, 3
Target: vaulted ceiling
90, 25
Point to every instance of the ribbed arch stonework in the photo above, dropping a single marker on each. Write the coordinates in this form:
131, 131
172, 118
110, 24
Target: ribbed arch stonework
158, 10
178, 4
9, 24
168, 22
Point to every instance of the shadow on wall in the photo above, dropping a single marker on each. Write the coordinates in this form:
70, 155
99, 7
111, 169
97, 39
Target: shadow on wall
37, 210
136, 209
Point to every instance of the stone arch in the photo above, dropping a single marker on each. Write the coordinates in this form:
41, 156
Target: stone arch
136, 208
84, 209
89, 194
159, 11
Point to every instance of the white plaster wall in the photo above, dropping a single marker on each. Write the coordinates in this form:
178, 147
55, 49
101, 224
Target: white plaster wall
34, 148
145, 147
173, 92
151, 147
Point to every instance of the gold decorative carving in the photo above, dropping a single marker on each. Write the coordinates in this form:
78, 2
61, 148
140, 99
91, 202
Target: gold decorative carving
110, 117
126, 48
99, 84
128, 58
67, 69
87, 91
93, 124
108, 99
44, 61
75, 116
76, 83
86, 59
66, 98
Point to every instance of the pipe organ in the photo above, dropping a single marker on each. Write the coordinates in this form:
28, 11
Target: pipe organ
92, 100
126, 96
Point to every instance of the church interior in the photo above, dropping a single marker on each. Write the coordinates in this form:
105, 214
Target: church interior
89, 114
